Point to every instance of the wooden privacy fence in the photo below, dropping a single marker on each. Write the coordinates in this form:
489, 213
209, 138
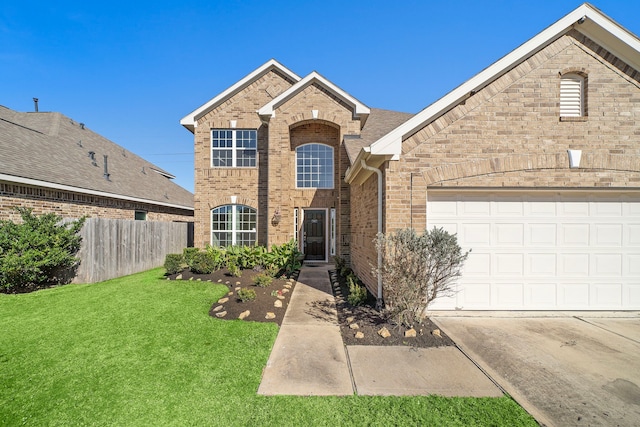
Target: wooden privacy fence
116, 247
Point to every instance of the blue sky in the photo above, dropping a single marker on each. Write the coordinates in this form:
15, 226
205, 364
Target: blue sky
130, 70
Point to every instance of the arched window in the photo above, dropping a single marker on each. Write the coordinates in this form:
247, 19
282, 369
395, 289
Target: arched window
314, 166
572, 95
233, 225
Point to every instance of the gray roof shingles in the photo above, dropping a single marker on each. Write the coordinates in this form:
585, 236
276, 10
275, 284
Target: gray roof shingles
53, 148
379, 123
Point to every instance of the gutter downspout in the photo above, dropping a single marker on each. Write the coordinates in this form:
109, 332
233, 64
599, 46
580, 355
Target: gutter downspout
364, 165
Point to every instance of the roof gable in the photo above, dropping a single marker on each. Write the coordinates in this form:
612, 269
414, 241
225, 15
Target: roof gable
269, 110
190, 120
586, 19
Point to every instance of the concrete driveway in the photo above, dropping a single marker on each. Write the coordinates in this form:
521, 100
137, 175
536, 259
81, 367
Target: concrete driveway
578, 369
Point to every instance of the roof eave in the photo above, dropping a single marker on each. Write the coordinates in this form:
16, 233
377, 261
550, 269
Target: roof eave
190, 120
63, 187
594, 24
360, 110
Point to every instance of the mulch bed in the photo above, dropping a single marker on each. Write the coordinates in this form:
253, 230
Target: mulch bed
368, 320
279, 290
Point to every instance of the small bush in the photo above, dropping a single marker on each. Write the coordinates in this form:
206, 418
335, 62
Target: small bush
340, 263
39, 252
202, 263
357, 293
174, 263
234, 270
189, 254
246, 294
262, 280
416, 269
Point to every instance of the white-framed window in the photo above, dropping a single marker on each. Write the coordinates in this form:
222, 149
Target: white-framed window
234, 148
314, 166
233, 225
572, 95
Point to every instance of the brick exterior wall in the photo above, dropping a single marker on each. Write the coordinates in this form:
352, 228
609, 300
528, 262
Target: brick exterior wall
509, 135
271, 185
75, 205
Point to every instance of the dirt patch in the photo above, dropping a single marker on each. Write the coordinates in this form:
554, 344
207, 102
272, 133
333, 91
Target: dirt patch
261, 309
370, 321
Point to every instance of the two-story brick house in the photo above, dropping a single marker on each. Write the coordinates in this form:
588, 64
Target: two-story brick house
534, 163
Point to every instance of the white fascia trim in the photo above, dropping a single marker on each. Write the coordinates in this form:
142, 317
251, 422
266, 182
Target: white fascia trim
163, 173
37, 183
269, 109
189, 121
391, 143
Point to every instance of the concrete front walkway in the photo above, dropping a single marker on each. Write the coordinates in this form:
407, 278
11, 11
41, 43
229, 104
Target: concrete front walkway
309, 357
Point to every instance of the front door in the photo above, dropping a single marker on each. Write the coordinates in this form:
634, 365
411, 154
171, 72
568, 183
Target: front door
313, 235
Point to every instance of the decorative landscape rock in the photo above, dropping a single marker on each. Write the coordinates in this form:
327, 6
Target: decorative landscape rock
411, 333
238, 288
230, 293
238, 283
359, 335
354, 326
277, 304
270, 316
384, 333
436, 332
218, 308
221, 314
284, 291
179, 277
223, 300
280, 297
350, 319
244, 315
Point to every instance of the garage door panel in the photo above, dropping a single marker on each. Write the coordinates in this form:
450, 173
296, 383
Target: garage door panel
574, 235
544, 250
632, 265
606, 265
475, 295
607, 234
478, 264
573, 264
478, 207
573, 295
542, 295
573, 207
509, 234
508, 295
542, 264
542, 234
607, 295
508, 264
633, 235
475, 235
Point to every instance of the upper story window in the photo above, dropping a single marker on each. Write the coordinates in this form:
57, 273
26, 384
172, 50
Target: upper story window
233, 225
572, 95
314, 166
231, 148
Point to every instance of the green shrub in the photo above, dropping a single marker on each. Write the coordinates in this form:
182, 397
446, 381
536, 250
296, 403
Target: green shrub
234, 270
189, 254
39, 252
416, 270
339, 263
357, 293
202, 263
246, 294
218, 255
262, 280
174, 263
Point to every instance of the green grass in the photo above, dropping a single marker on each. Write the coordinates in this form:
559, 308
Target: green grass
140, 350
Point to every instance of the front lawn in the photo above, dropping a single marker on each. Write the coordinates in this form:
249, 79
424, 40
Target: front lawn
141, 350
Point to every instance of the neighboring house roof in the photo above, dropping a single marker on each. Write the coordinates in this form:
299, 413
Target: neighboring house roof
379, 123
190, 120
269, 110
586, 19
53, 151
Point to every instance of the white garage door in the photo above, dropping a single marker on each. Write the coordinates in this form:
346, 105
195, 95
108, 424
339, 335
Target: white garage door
543, 251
